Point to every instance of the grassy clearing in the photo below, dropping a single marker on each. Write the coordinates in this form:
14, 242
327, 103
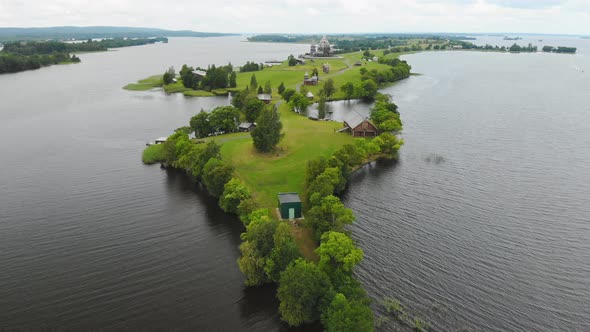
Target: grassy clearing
284, 170
304, 239
153, 154
275, 76
197, 93
146, 84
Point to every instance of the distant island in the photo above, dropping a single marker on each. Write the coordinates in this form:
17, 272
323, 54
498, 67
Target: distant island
83, 33
559, 49
512, 38
26, 55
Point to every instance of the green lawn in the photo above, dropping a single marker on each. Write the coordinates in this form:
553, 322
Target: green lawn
268, 174
145, 84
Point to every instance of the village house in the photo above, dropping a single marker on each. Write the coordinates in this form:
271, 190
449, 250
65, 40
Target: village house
246, 126
326, 68
313, 80
309, 95
265, 97
359, 126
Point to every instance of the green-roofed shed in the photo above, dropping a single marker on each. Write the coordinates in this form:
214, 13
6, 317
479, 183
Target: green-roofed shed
289, 205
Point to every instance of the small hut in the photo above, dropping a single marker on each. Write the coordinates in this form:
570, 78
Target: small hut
309, 95
290, 205
265, 97
246, 126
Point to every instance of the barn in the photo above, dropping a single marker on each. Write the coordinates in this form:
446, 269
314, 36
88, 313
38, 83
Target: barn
290, 205
359, 126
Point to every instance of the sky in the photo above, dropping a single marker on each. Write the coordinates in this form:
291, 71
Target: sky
306, 16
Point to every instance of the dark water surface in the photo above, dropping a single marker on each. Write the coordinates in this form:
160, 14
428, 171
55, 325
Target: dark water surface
92, 239
484, 223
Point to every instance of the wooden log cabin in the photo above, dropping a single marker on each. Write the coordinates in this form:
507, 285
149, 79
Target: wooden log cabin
360, 126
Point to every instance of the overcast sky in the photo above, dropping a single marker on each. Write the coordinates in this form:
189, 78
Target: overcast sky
306, 16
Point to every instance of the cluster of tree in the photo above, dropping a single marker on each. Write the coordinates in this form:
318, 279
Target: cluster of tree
221, 119
368, 55
251, 66
268, 131
517, 48
12, 63
169, 76
200, 161
559, 49
291, 60
215, 77
366, 89
20, 56
384, 114
50, 47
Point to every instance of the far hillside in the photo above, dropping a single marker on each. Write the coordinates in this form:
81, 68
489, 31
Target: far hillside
83, 33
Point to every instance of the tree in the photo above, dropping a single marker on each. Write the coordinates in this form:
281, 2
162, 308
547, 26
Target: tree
252, 265
187, 77
329, 87
232, 80
267, 133
281, 88
291, 60
303, 289
368, 89
314, 72
337, 251
324, 185
389, 145
224, 118
330, 215
267, 88
260, 90
253, 82
169, 75
253, 108
322, 107
216, 174
299, 102
234, 192
345, 315
348, 89
200, 124
288, 94
256, 248
283, 253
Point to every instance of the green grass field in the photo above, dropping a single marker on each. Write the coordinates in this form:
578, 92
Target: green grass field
341, 71
153, 154
268, 174
146, 84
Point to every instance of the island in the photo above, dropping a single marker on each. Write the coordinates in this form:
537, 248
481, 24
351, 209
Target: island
280, 169
26, 55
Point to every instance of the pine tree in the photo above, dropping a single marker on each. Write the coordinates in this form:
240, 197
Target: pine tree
253, 82
267, 133
281, 88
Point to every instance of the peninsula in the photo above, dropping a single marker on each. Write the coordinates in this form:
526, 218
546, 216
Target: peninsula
281, 172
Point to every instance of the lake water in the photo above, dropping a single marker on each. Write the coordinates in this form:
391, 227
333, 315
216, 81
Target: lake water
483, 223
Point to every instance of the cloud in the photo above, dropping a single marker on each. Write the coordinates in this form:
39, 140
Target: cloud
528, 4
308, 16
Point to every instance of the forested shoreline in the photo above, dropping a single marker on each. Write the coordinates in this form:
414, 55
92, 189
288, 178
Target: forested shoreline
19, 56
